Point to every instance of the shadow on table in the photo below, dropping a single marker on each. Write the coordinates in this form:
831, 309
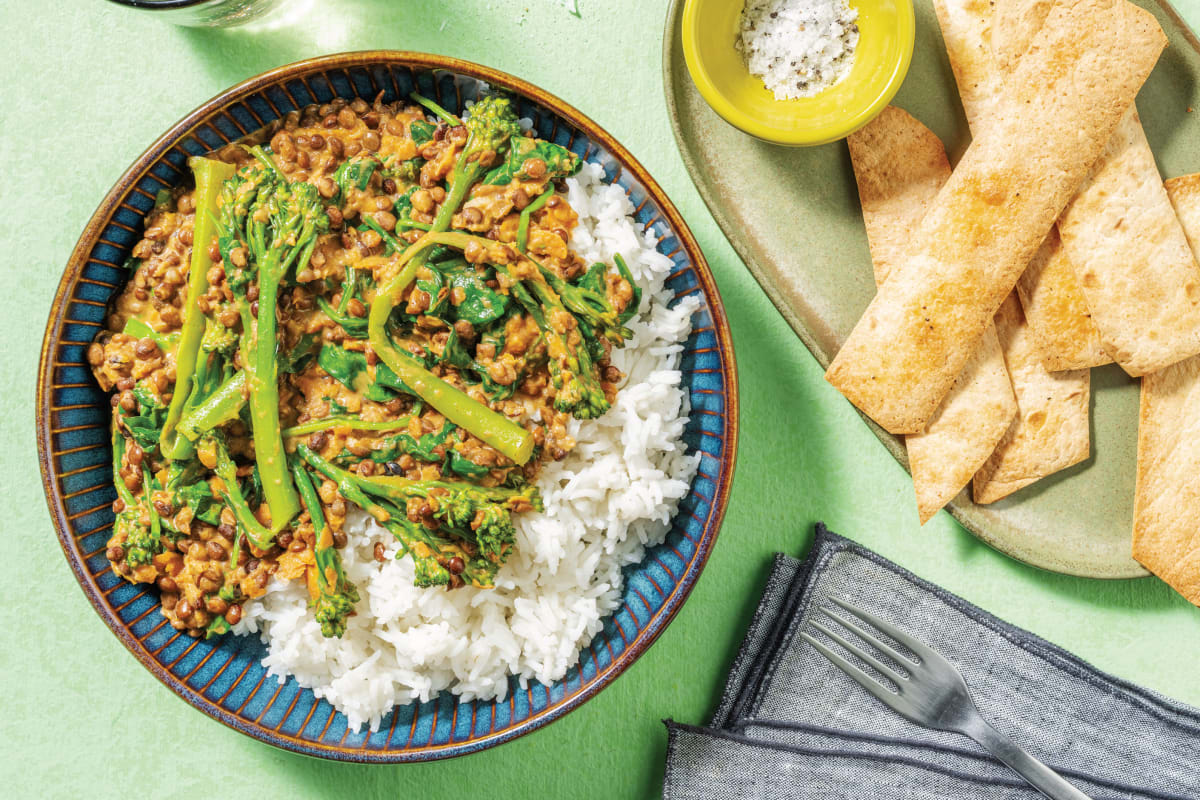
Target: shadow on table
1146, 594
310, 28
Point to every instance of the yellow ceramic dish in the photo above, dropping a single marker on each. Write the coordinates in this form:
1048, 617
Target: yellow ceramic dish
885, 44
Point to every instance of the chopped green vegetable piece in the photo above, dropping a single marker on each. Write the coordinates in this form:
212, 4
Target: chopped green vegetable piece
557, 161
422, 448
437, 110
218, 627
302, 354
210, 175
461, 465
527, 215
140, 330
222, 406
421, 132
146, 425
354, 172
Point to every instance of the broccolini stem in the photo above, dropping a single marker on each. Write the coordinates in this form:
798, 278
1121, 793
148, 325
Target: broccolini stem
235, 552
436, 110
210, 175
431, 554
527, 215
222, 406
493, 428
346, 485
226, 470
294, 214
411, 536
398, 490
476, 418
147, 488
312, 504
350, 423
336, 595
387, 237
635, 303
414, 537
278, 490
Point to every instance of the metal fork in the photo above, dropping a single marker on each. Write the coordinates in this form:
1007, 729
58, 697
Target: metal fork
931, 693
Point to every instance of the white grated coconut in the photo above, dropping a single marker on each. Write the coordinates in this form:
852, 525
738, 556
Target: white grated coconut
798, 47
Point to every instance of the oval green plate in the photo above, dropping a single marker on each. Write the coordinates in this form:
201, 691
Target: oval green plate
818, 274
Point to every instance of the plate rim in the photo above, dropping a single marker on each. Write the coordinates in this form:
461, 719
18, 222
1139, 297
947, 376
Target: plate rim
188, 124
965, 512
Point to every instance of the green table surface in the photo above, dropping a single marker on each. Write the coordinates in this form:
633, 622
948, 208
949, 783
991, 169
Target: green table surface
87, 86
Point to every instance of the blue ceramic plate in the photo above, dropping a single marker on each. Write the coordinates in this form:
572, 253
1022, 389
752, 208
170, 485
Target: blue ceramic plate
223, 677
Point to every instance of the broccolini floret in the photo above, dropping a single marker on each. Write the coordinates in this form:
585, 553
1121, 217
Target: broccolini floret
336, 594
478, 516
219, 339
268, 227
572, 373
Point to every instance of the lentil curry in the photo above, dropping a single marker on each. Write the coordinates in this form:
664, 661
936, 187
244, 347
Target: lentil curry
374, 306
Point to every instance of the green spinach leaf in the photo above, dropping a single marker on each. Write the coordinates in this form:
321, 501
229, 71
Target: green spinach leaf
421, 132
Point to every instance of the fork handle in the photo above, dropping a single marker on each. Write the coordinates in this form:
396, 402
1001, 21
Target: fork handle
1040, 777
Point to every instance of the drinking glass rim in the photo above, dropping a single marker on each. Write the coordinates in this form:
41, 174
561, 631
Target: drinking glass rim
162, 4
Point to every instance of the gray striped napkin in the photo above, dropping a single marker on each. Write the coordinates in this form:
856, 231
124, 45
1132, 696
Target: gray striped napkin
790, 725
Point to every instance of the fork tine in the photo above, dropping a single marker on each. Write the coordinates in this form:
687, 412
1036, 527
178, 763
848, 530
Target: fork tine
862, 678
870, 639
889, 672
922, 651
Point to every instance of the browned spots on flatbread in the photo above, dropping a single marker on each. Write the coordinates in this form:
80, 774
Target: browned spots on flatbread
984, 42
1135, 267
1015, 26
1056, 312
1050, 432
900, 165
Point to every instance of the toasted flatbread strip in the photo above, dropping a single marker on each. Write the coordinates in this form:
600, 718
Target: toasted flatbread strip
1166, 509
1051, 429
985, 41
967, 33
900, 165
1056, 311
1140, 278
1138, 275
986, 223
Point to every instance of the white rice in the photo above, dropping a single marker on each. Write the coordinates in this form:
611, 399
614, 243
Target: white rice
613, 496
